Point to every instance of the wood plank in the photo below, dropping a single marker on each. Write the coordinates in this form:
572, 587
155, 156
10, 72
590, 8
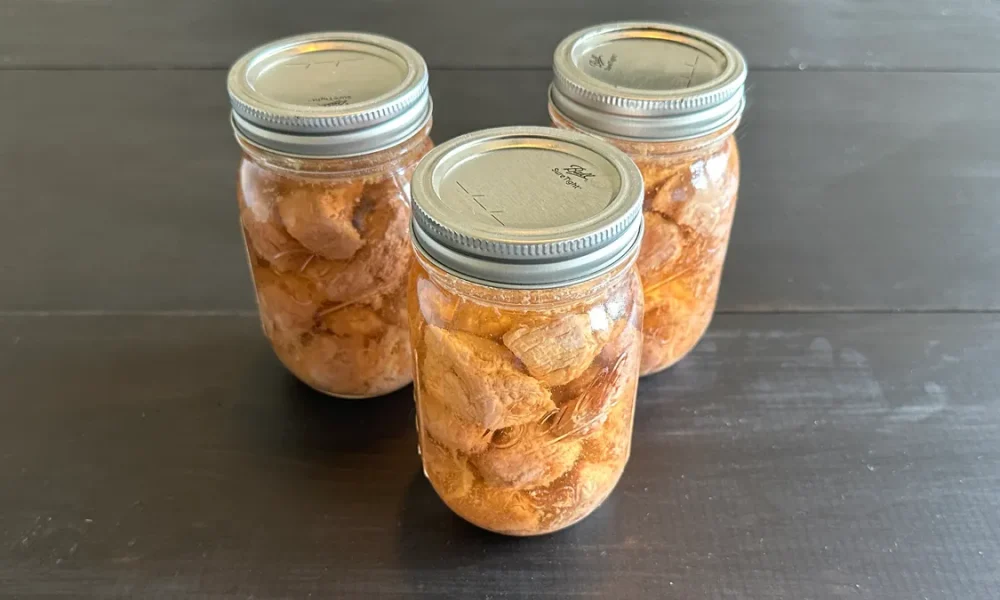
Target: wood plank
860, 190
851, 34
791, 456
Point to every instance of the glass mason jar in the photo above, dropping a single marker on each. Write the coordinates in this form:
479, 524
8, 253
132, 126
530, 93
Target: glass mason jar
525, 314
331, 126
670, 97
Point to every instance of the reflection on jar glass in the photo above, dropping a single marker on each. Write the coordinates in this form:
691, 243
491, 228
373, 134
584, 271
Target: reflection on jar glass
671, 97
525, 314
324, 202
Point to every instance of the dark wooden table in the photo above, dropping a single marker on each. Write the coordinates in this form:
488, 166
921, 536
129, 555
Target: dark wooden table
835, 435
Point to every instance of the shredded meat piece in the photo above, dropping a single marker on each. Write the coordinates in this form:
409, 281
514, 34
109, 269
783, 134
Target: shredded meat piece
449, 429
526, 457
560, 350
322, 219
287, 302
480, 380
504, 511
448, 471
662, 243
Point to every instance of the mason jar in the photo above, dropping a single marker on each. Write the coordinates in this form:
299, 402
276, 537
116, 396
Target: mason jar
671, 97
525, 314
331, 126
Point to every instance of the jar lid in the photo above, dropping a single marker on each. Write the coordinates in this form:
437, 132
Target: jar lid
329, 94
648, 81
526, 207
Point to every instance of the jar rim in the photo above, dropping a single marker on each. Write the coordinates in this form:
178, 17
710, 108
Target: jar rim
645, 80
527, 207
629, 254
476, 289
367, 93
629, 131
291, 148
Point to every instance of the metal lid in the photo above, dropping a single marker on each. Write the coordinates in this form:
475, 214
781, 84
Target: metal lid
526, 207
648, 81
329, 94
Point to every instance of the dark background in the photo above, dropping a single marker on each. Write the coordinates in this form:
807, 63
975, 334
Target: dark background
835, 435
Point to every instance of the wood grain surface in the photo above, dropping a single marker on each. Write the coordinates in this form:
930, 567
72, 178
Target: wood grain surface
861, 191
791, 456
788, 34
835, 435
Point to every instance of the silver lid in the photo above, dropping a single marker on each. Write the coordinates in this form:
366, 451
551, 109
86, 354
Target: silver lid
526, 207
329, 94
648, 81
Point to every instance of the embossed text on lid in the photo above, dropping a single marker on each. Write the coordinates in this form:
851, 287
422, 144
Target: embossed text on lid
526, 206
648, 80
329, 94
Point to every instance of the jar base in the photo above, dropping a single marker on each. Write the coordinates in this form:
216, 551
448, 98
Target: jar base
647, 370
390, 384
528, 534
341, 396
352, 397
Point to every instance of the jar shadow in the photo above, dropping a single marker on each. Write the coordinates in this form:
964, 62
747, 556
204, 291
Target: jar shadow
288, 418
431, 533
432, 536
328, 425
433, 541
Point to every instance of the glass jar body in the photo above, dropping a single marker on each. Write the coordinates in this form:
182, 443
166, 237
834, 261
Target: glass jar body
328, 246
690, 200
525, 398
